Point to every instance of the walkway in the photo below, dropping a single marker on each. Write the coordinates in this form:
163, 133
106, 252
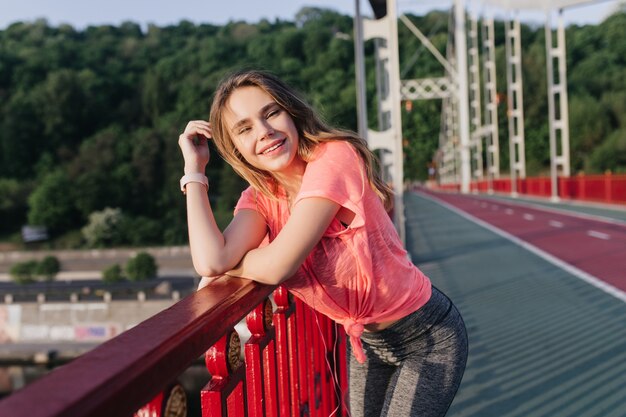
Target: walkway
607, 211
542, 341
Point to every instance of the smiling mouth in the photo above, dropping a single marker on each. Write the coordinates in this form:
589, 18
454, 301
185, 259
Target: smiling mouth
273, 148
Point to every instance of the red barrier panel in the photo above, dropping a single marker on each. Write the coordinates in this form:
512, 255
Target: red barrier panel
290, 367
605, 188
538, 186
223, 395
286, 354
616, 188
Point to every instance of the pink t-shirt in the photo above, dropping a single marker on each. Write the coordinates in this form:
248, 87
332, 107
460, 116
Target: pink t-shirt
358, 274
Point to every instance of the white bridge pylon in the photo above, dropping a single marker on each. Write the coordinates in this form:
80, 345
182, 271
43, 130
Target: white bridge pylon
469, 146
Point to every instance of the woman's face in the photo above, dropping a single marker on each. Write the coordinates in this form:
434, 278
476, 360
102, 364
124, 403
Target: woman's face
262, 131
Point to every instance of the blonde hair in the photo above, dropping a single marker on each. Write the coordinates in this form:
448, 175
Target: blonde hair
311, 129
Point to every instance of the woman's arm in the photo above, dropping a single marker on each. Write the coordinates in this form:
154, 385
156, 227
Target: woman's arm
281, 259
212, 252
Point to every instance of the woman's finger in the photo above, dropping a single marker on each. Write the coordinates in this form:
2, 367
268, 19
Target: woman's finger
197, 124
197, 130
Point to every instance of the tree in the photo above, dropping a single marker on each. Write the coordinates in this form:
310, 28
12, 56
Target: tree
13, 203
89, 118
588, 125
611, 155
105, 228
24, 272
20, 135
112, 274
48, 268
52, 204
141, 267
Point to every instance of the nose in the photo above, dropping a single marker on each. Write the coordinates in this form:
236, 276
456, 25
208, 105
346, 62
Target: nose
266, 130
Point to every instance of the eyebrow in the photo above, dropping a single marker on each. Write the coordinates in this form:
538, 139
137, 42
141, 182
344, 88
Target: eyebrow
246, 120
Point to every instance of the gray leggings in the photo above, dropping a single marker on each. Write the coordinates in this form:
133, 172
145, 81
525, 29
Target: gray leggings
414, 367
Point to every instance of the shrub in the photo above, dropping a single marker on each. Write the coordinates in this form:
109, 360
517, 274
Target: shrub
24, 272
141, 267
105, 228
112, 274
48, 268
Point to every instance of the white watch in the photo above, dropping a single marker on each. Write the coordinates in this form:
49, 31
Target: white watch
197, 177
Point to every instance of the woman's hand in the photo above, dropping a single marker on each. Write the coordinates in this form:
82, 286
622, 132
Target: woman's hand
193, 143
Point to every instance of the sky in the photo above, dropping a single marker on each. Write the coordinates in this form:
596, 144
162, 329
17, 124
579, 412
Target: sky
82, 13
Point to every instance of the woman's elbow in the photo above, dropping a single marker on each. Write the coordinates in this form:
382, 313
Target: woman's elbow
209, 269
281, 276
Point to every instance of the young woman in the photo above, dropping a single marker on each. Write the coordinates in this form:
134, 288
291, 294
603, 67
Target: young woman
314, 218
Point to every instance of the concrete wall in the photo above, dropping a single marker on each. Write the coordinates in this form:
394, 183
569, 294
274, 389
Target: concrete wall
89, 263
51, 323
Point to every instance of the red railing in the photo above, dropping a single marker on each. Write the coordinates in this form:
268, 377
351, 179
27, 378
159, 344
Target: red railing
291, 364
604, 188
292, 361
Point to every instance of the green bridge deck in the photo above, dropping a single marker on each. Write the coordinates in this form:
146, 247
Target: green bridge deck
542, 342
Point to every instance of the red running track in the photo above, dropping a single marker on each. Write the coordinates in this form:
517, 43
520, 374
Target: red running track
594, 246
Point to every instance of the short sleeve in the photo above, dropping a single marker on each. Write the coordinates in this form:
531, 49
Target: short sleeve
336, 172
249, 200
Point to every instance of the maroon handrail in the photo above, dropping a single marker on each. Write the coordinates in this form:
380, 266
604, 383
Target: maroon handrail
123, 374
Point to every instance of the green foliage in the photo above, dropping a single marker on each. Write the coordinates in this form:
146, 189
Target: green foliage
29, 271
416, 129
105, 228
51, 203
141, 267
89, 118
142, 231
611, 155
112, 274
13, 203
48, 268
24, 272
588, 127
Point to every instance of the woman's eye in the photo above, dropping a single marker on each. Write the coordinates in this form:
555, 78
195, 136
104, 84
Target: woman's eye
244, 130
272, 113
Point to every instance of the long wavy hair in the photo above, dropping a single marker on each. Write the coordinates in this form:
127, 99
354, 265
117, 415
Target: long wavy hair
311, 130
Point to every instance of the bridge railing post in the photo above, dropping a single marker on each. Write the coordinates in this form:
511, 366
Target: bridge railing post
294, 365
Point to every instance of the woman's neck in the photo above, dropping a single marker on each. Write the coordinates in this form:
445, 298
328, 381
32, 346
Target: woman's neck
291, 180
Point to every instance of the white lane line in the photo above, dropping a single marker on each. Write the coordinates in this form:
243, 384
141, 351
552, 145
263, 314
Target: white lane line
528, 216
598, 235
563, 211
556, 224
509, 211
585, 276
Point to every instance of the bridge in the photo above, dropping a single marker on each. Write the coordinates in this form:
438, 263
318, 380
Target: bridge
535, 266
546, 325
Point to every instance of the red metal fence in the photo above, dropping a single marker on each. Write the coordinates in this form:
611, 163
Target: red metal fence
291, 365
295, 362
604, 188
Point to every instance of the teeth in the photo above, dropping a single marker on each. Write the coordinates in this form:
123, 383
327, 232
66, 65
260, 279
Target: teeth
273, 147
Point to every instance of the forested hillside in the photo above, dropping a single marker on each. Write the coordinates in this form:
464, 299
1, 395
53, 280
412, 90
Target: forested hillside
90, 119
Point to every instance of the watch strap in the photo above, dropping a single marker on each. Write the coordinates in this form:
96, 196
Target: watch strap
196, 177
